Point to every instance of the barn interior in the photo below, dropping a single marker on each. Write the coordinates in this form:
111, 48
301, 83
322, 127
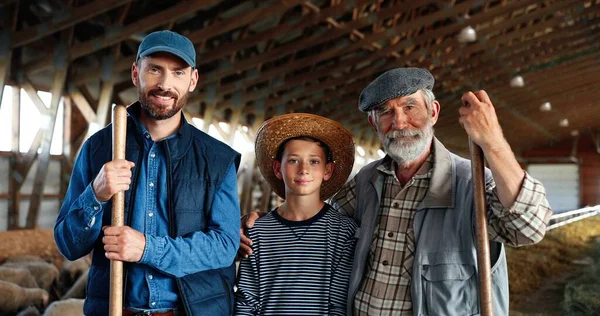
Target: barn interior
64, 64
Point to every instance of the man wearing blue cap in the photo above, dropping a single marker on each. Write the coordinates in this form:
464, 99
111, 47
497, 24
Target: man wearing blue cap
415, 253
181, 201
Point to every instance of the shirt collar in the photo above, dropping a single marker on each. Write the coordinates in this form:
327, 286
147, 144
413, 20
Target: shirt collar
439, 168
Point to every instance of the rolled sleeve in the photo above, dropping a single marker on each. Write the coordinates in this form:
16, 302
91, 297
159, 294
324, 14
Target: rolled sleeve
525, 221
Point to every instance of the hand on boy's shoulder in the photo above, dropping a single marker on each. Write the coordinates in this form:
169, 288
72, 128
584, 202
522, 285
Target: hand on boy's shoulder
247, 221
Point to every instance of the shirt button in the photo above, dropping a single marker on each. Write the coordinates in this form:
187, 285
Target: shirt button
87, 228
390, 234
153, 303
150, 277
151, 184
152, 155
147, 135
396, 205
96, 208
150, 214
385, 262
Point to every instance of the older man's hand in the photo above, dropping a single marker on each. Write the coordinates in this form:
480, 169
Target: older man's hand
478, 117
246, 243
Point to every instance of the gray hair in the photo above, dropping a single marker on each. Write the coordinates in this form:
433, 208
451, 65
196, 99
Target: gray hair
427, 94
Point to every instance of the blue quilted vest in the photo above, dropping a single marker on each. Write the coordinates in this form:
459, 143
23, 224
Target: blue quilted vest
196, 164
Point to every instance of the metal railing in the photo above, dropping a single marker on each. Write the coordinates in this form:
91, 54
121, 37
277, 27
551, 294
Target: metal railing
564, 218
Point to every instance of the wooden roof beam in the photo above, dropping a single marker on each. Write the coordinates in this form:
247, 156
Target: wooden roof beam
149, 22
416, 54
494, 73
505, 55
291, 48
200, 35
423, 21
73, 16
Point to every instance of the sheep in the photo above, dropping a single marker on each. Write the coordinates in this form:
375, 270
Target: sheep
69, 307
29, 311
71, 271
20, 277
45, 274
78, 289
14, 298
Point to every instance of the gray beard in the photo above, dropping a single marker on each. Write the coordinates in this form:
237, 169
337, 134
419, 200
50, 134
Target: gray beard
407, 145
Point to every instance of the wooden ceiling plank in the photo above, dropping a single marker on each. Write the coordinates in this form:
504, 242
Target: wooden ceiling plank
273, 33
377, 55
388, 66
495, 64
495, 73
309, 61
144, 24
76, 15
200, 35
221, 27
292, 47
495, 61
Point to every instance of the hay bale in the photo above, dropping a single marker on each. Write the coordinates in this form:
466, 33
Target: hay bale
37, 242
582, 295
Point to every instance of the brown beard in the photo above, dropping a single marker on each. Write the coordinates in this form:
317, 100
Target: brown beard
158, 112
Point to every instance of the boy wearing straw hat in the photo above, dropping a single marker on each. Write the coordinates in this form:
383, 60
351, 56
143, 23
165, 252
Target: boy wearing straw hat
302, 250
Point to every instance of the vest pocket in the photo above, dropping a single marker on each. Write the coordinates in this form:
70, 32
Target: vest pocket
449, 289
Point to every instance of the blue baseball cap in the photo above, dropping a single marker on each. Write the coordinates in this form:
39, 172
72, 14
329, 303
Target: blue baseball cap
169, 42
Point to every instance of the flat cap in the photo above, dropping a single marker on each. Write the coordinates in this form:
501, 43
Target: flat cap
395, 83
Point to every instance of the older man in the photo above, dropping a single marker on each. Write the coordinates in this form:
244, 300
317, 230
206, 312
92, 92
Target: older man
181, 201
415, 253
416, 249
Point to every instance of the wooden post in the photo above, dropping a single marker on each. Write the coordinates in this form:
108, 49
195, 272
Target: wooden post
481, 233
119, 130
5, 57
49, 120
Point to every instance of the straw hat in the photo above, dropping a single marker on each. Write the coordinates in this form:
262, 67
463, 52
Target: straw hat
280, 128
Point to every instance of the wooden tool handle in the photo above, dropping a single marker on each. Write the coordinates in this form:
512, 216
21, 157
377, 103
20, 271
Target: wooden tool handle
481, 234
119, 131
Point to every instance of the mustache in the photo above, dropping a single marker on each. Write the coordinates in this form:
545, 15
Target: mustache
162, 93
403, 133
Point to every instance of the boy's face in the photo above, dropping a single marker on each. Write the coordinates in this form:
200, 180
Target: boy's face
303, 167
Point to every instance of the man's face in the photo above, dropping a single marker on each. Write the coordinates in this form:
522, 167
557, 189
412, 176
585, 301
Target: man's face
164, 82
405, 126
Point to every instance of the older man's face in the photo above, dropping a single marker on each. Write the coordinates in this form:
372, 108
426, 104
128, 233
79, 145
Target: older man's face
405, 126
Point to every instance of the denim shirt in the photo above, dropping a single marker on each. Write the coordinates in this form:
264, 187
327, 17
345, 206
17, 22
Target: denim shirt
153, 289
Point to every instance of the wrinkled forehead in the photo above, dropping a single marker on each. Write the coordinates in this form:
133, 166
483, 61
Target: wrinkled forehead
416, 98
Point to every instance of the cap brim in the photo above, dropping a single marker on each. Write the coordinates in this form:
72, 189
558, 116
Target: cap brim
170, 50
280, 128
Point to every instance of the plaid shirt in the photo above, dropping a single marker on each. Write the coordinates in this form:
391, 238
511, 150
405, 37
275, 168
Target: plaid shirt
386, 286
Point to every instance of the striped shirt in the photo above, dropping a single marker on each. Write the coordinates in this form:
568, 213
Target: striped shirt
297, 267
386, 285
